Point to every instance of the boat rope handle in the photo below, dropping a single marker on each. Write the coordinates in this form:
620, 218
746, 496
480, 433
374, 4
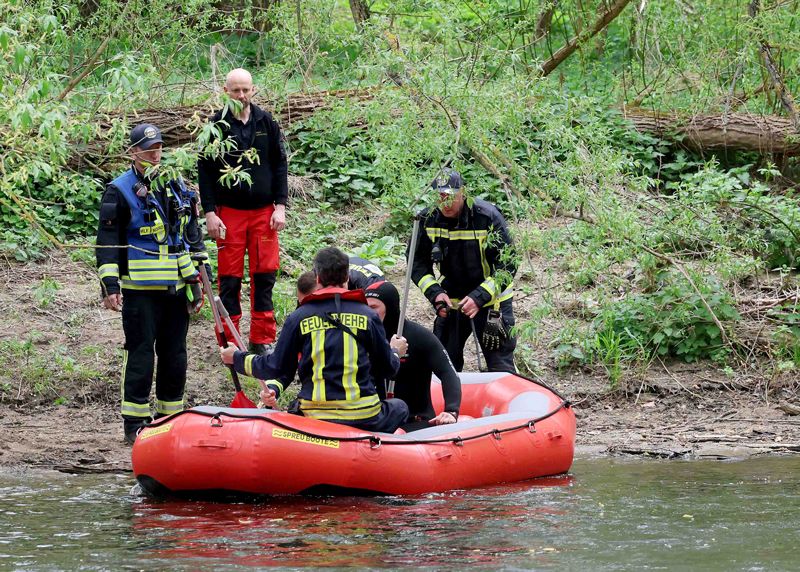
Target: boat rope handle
373, 440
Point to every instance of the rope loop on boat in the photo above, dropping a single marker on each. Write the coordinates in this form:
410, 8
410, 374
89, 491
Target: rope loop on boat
373, 440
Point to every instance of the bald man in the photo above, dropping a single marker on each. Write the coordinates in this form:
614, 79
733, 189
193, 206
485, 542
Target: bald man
246, 214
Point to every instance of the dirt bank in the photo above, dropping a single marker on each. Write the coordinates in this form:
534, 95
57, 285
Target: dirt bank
59, 374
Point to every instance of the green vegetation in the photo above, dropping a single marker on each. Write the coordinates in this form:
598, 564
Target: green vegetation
652, 242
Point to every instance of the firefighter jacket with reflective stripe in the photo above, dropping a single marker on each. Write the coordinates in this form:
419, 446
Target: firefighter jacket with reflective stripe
342, 348
160, 227
363, 273
474, 252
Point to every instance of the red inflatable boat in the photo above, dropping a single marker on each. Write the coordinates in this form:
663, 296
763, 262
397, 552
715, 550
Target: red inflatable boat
510, 429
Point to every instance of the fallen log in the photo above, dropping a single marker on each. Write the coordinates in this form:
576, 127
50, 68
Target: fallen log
178, 125
769, 134
766, 134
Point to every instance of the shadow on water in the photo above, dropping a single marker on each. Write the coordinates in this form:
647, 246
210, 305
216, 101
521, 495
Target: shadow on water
609, 515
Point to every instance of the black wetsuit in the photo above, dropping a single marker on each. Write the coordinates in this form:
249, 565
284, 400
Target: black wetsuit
426, 356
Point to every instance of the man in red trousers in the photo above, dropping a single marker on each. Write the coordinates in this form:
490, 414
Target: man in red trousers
245, 213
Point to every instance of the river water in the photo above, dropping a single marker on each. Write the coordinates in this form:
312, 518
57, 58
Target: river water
608, 514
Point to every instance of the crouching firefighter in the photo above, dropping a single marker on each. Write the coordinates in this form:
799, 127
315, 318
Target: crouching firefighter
343, 349
147, 229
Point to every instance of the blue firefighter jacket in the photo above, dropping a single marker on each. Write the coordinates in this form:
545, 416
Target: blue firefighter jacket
158, 255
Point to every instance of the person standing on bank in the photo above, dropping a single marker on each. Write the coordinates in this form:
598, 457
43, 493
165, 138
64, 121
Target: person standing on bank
338, 348
247, 215
473, 249
155, 225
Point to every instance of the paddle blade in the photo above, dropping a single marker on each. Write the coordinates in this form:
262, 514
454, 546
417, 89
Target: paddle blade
241, 401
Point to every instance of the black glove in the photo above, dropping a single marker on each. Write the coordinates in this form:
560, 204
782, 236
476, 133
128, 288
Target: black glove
194, 297
439, 306
209, 272
494, 334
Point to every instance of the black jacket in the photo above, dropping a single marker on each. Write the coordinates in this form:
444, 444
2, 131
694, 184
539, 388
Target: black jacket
363, 273
269, 184
475, 254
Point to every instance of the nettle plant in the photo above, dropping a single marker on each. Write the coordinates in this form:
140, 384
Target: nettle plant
673, 320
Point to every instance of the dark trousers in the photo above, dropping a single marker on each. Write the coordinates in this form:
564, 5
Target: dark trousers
394, 412
454, 330
155, 324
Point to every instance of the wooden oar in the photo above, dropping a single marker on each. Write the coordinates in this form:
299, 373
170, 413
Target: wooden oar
237, 339
240, 400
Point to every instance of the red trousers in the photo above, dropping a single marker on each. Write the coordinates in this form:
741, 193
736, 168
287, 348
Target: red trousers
249, 231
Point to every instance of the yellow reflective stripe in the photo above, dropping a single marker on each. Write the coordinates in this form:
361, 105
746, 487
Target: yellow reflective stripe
318, 364
487, 272
276, 383
185, 266
107, 270
135, 409
435, 233
143, 275
122, 377
360, 403
168, 407
248, 364
351, 390
128, 285
159, 231
165, 263
426, 282
342, 415
468, 234
506, 294
317, 410
489, 286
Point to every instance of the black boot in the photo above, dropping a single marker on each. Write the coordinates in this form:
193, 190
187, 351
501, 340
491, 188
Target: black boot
132, 429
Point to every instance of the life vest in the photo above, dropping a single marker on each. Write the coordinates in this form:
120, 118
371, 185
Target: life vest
157, 254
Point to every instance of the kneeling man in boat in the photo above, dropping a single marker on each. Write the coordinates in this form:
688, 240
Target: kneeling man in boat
426, 356
342, 349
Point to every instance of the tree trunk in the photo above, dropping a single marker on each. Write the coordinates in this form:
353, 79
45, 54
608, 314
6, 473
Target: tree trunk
544, 21
736, 132
774, 73
360, 12
567, 49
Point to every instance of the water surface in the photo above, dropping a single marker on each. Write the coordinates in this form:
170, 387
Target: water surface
606, 515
